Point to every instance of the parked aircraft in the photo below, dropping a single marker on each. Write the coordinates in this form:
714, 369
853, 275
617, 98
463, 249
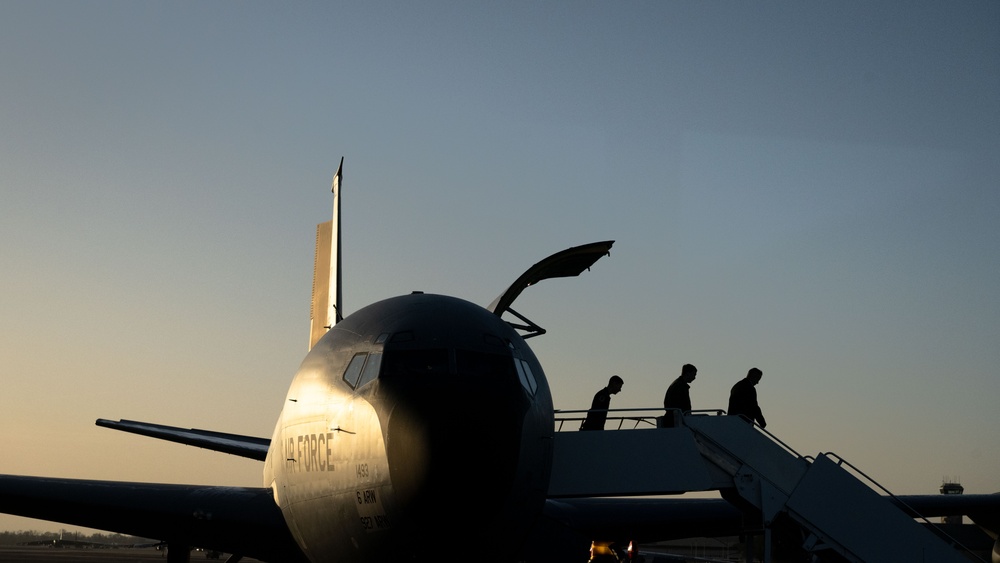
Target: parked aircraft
418, 427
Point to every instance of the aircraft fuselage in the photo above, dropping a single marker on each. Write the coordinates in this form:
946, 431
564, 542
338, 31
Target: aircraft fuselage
416, 416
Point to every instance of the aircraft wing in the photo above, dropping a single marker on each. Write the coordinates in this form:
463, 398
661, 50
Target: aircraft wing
660, 519
984, 510
238, 520
236, 444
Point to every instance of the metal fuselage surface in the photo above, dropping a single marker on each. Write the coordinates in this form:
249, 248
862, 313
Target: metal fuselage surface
418, 422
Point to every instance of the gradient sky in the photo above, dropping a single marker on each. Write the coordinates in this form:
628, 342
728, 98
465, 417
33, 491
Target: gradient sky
809, 188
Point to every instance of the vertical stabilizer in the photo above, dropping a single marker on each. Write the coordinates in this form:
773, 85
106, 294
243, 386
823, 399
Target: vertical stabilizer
327, 296
335, 310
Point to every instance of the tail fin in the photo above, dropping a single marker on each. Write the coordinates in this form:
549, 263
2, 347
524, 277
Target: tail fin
327, 296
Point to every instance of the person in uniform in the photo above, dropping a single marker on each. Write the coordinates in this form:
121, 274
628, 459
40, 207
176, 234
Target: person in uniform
743, 398
598, 413
678, 393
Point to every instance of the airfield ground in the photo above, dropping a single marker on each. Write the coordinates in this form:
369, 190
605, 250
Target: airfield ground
18, 554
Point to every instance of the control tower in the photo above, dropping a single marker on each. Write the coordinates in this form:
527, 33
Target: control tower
951, 486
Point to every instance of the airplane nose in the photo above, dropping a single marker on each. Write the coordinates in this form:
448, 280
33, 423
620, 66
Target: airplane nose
452, 438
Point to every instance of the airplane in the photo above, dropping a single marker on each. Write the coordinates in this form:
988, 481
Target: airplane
418, 427
63, 541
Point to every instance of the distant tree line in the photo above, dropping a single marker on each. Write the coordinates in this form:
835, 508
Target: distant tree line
25, 536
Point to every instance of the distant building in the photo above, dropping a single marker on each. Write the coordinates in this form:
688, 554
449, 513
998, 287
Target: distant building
951, 487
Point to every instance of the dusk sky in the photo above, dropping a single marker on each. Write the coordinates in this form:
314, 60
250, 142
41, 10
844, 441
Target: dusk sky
809, 188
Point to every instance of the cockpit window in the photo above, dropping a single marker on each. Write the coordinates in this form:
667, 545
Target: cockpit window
405, 363
370, 372
436, 362
524, 374
353, 371
476, 364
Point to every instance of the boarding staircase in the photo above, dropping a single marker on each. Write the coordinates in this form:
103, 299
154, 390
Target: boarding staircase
834, 511
837, 511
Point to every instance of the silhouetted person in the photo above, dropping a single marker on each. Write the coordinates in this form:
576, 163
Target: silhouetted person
743, 398
678, 394
598, 412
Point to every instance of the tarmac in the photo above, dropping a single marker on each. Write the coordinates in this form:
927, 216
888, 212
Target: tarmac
45, 554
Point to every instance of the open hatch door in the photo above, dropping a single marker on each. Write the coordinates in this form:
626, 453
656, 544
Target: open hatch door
567, 263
